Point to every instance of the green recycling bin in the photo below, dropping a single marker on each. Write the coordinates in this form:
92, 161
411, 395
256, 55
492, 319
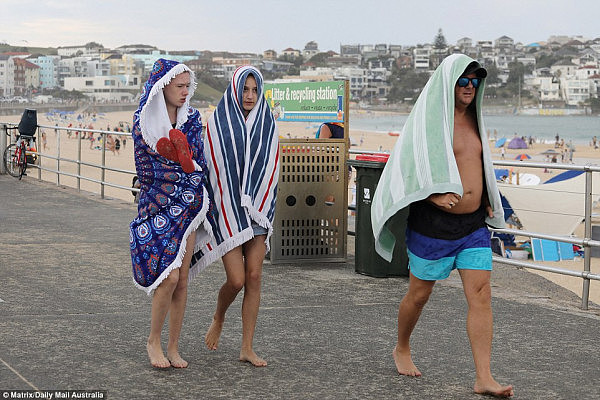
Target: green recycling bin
367, 260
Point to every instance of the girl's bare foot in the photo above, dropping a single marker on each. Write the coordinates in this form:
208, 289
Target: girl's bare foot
493, 388
176, 360
251, 357
213, 335
157, 358
404, 363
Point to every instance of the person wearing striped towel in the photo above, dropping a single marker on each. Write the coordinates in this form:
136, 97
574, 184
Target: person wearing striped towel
242, 150
441, 169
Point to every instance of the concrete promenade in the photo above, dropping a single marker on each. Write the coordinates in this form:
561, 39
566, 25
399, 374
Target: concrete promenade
70, 318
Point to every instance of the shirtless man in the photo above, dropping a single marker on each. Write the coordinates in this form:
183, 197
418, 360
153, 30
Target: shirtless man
452, 227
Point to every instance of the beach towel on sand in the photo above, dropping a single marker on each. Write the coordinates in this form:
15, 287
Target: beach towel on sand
422, 161
243, 158
172, 204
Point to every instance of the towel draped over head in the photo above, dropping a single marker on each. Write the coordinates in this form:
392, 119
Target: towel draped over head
172, 204
422, 161
243, 158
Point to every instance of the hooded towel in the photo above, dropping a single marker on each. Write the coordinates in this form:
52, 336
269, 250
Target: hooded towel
243, 158
422, 161
172, 204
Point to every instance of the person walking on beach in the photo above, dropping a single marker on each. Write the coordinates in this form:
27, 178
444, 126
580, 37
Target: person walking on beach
571, 147
44, 141
450, 186
174, 210
242, 147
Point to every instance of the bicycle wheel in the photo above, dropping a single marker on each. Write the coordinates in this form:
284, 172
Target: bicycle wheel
22, 161
11, 162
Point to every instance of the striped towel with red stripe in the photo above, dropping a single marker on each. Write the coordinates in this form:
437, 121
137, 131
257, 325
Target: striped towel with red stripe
243, 163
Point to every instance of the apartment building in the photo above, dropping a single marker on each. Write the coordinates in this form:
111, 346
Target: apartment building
26, 78
48, 71
7, 76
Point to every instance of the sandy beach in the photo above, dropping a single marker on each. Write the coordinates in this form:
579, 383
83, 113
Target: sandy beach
362, 140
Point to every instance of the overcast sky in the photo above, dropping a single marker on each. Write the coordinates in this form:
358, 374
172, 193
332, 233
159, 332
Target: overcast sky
243, 26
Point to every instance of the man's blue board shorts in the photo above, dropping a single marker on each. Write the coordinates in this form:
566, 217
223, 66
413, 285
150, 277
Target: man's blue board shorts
433, 259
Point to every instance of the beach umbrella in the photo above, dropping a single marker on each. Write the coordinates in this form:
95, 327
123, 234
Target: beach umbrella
500, 142
550, 152
522, 157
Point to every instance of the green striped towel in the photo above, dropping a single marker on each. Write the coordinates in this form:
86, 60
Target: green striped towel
422, 161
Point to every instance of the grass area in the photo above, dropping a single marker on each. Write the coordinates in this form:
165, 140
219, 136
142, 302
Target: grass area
47, 51
207, 93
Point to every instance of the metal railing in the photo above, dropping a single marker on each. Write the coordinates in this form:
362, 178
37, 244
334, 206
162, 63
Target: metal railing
78, 161
587, 243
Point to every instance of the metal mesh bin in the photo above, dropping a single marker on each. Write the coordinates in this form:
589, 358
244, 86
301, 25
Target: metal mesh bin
312, 202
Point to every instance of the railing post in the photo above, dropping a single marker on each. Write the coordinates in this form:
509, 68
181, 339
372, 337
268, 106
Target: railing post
3, 146
587, 251
58, 159
39, 151
79, 161
103, 167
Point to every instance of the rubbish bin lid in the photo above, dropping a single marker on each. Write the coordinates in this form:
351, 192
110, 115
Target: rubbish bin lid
373, 157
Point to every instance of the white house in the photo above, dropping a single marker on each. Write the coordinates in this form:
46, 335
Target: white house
89, 49
310, 49
7, 76
548, 88
357, 77
586, 71
421, 58
563, 68
105, 88
575, 91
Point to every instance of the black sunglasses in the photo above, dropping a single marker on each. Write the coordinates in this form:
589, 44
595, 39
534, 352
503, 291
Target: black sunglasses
463, 81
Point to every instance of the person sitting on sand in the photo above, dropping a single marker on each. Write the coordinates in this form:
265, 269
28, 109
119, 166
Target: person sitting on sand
333, 130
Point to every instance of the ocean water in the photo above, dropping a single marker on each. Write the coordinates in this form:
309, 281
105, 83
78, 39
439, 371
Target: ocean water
578, 128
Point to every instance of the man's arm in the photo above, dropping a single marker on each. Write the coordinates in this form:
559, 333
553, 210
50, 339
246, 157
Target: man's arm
444, 200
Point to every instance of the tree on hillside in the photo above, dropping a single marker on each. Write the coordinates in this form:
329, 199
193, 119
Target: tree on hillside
319, 59
297, 61
492, 75
440, 49
546, 60
406, 84
219, 84
594, 104
515, 82
515, 76
60, 93
439, 41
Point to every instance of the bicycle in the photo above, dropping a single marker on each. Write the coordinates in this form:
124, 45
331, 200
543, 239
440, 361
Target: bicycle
15, 155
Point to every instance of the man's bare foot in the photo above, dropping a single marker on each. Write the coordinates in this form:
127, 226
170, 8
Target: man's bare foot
404, 363
176, 360
213, 335
252, 358
157, 358
493, 388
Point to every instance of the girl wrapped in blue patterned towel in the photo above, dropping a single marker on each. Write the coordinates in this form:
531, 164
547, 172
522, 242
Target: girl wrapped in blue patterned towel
175, 212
